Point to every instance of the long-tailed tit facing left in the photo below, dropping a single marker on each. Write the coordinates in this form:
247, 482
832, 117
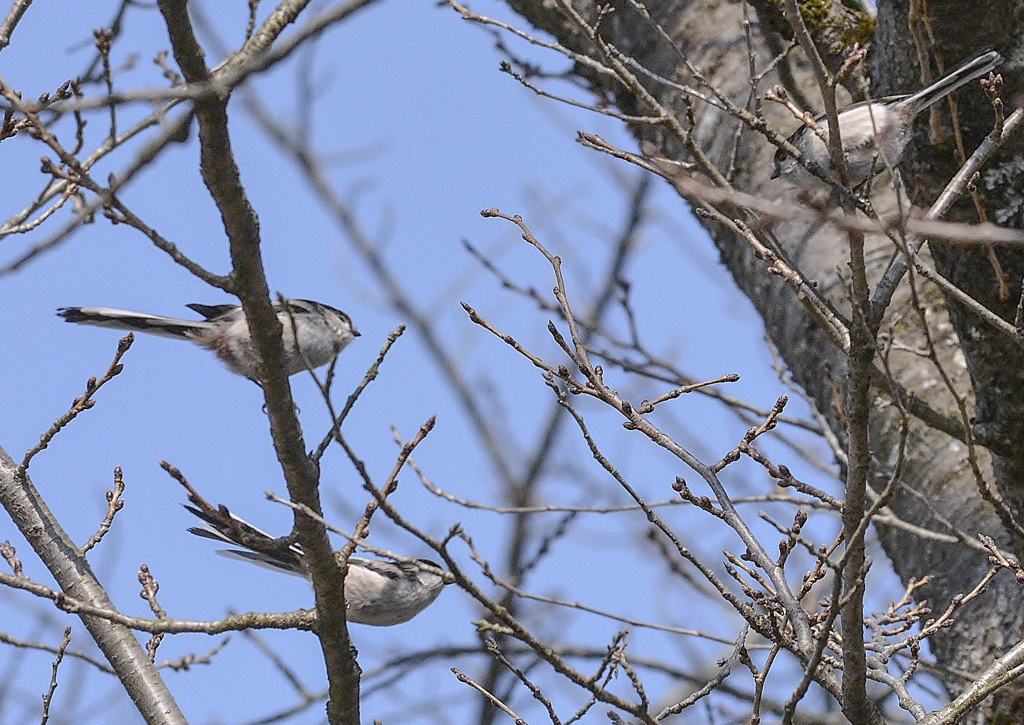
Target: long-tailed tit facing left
322, 331
874, 133
379, 593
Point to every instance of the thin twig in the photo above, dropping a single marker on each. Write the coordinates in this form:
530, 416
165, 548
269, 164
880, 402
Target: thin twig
48, 695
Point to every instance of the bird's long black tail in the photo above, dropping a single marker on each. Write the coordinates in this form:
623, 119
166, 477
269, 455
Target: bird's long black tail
135, 321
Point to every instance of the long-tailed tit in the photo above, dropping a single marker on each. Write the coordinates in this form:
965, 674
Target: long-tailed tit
379, 593
322, 331
874, 133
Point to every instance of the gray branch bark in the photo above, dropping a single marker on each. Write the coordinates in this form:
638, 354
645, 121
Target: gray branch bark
69, 566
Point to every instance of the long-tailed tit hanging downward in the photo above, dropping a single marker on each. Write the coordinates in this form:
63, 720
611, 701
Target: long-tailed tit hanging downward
379, 593
874, 133
322, 331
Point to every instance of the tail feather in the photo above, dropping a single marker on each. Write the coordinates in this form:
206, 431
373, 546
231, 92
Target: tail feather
227, 528
965, 73
135, 321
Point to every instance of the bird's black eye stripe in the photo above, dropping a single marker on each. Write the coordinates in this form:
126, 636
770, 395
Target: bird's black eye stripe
301, 305
311, 307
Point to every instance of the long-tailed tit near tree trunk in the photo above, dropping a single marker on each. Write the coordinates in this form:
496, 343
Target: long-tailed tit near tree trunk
874, 133
322, 331
379, 593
